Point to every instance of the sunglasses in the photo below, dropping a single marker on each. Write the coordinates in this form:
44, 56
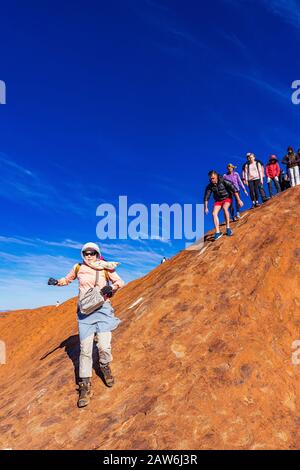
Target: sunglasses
90, 253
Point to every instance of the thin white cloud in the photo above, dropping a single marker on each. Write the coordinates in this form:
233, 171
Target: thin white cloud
266, 86
37, 264
166, 21
20, 184
37, 242
77, 245
288, 10
5, 161
32, 293
17, 241
64, 244
186, 36
234, 39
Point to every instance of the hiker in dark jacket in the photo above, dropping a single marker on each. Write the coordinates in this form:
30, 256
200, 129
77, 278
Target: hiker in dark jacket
273, 173
291, 160
222, 192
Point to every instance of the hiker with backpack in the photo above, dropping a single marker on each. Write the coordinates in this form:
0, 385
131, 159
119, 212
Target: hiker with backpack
273, 174
253, 176
292, 160
260, 185
95, 314
235, 179
222, 191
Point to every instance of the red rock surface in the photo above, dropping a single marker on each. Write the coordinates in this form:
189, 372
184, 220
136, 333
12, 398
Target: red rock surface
202, 361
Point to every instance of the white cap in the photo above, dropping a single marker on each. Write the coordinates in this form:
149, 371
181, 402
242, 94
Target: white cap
91, 245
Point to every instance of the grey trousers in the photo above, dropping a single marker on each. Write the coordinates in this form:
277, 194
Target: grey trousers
86, 352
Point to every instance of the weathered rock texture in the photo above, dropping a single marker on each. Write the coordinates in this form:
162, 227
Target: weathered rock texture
202, 360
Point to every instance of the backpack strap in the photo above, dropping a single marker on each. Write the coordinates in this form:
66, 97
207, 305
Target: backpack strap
77, 267
97, 278
260, 170
106, 276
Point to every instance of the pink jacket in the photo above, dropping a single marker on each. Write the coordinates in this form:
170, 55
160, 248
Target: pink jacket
87, 278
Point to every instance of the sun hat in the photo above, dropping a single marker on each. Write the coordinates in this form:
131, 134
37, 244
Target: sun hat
92, 246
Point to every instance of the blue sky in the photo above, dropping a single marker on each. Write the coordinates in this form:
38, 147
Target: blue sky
139, 98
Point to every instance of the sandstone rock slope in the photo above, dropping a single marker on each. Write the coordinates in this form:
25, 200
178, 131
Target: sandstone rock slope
202, 359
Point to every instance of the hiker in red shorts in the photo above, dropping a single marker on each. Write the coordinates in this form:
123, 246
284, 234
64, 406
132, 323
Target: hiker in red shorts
222, 192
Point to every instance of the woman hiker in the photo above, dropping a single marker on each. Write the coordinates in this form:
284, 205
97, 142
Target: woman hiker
94, 271
235, 179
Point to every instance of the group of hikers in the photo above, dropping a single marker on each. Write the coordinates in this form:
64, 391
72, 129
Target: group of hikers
226, 189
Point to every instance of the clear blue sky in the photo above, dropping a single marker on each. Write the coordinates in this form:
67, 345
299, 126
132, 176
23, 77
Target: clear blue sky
139, 98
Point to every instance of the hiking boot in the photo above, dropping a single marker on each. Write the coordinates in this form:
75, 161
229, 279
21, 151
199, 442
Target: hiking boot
85, 392
228, 232
257, 204
107, 375
217, 235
